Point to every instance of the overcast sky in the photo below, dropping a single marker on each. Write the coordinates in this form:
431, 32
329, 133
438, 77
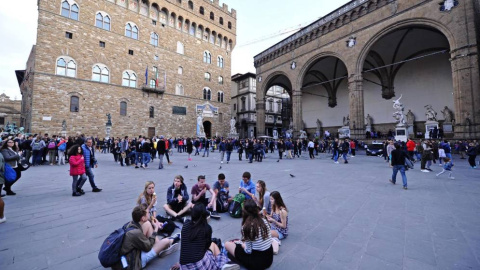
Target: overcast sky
260, 24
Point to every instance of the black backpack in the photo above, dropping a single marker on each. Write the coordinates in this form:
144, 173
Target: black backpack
222, 202
235, 208
168, 226
109, 253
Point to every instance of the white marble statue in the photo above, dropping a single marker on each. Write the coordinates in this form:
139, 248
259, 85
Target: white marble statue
200, 131
303, 134
398, 114
233, 130
368, 120
447, 115
289, 133
346, 121
431, 114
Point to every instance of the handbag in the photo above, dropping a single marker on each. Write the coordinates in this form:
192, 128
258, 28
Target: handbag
10, 174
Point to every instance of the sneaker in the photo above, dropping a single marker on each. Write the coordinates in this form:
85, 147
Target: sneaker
2, 220
425, 171
189, 159
215, 215
230, 266
405, 188
277, 240
428, 169
136, 167
221, 162
175, 238
96, 190
391, 181
169, 250
76, 194
336, 162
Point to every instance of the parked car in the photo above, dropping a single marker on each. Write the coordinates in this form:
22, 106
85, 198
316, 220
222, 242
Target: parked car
374, 149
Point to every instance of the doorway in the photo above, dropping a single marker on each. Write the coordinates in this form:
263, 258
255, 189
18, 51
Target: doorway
207, 127
151, 132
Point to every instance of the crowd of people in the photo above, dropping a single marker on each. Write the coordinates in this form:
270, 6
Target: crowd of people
264, 223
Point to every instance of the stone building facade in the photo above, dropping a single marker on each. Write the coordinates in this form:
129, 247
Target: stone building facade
10, 111
151, 65
353, 61
243, 106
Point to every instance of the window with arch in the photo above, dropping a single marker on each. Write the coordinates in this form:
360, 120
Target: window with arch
220, 96
220, 62
179, 90
180, 48
74, 104
180, 70
207, 76
207, 94
123, 108
70, 10
190, 4
212, 16
153, 83
220, 80
151, 112
131, 30
154, 39
192, 29
66, 67
102, 20
129, 78
221, 20
229, 25
202, 11
100, 73
207, 57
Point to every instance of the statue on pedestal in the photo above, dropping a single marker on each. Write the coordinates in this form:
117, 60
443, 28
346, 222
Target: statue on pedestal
109, 119
200, 130
410, 118
368, 120
431, 114
346, 121
398, 114
233, 130
64, 125
447, 115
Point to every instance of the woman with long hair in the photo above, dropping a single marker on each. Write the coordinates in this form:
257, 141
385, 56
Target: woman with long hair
12, 155
279, 217
262, 198
77, 169
197, 249
189, 148
256, 252
149, 198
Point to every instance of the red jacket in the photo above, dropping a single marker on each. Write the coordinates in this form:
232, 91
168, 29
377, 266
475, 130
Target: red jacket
77, 165
410, 146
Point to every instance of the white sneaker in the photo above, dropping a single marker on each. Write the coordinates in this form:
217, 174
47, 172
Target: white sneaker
2, 220
449, 177
169, 250
230, 266
336, 162
221, 162
425, 171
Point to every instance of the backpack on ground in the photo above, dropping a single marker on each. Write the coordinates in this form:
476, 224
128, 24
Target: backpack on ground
235, 209
51, 145
9, 174
109, 253
222, 202
62, 146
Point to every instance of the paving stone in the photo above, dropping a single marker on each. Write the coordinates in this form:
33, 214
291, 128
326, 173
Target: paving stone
386, 250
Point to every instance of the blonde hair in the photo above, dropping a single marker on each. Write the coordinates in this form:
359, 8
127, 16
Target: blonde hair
147, 196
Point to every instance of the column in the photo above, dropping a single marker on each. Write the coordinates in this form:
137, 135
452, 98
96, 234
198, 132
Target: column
260, 116
466, 92
297, 112
357, 112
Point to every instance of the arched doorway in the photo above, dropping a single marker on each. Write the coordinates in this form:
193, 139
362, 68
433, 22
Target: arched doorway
207, 127
412, 62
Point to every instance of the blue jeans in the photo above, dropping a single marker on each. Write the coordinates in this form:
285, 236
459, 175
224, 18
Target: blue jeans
228, 155
400, 168
335, 156
146, 158
160, 165
37, 157
345, 156
449, 155
91, 177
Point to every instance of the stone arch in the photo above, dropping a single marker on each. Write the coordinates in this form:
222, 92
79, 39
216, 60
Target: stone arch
302, 72
278, 78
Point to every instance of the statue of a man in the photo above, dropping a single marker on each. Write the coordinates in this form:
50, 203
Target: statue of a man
319, 125
233, 130
64, 125
200, 131
109, 119
431, 114
410, 118
368, 120
397, 105
447, 114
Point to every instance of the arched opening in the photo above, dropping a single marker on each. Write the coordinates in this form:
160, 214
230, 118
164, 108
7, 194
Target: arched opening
207, 127
411, 62
279, 115
324, 93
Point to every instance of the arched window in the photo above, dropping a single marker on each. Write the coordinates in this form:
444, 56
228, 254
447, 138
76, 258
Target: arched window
207, 57
70, 11
71, 69
229, 25
202, 11
74, 104
61, 67
221, 20
123, 108
207, 94
180, 70
220, 97
192, 29
163, 16
180, 48
153, 83
129, 78
220, 80
212, 37
131, 30
190, 4
151, 112
100, 73
102, 21
179, 90
212, 16
220, 62
154, 39
207, 76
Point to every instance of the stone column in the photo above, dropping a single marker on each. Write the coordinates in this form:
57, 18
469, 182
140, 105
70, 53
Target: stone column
297, 112
357, 112
466, 92
260, 116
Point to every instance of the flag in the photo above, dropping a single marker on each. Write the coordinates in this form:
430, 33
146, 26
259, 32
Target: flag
156, 77
146, 76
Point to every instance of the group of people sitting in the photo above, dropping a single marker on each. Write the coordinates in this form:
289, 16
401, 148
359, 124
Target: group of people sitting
264, 224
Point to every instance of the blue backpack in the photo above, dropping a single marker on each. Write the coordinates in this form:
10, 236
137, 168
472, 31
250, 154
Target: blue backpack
63, 146
109, 253
10, 174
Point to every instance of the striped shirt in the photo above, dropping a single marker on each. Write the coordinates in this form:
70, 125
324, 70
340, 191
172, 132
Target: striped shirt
259, 244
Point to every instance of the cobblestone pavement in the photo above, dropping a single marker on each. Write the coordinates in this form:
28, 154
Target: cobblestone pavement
342, 216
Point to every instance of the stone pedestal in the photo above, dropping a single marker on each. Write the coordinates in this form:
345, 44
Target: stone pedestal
410, 130
430, 125
233, 135
108, 129
368, 128
344, 132
401, 133
447, 128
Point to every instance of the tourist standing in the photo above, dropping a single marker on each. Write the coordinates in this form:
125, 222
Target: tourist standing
11, 156
90, 163
398, 163
77, 170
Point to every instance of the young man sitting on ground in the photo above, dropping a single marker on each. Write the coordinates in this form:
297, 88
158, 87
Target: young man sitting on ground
198, 196
141, 244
